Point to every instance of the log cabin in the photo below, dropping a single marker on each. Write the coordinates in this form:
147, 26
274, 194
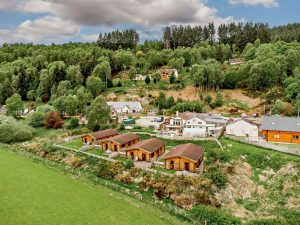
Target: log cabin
119, 142
184, 157
281, 129
93, 138
146, 150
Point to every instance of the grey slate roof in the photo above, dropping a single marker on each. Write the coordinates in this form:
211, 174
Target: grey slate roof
120, 105
291, 124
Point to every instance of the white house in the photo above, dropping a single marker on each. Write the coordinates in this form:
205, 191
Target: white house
242, 128
195, 125
139, 77
125, 107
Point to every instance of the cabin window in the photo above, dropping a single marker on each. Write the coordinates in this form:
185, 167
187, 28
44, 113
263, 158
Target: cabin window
276, 136
296, 137
123, 145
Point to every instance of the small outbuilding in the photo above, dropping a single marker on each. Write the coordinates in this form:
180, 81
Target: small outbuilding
242, 128
146, 150
119, 142
184, 157
92, 138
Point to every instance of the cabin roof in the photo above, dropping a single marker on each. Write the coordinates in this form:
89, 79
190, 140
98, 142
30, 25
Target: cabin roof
124, 138
189, 151
150, 145
104, 133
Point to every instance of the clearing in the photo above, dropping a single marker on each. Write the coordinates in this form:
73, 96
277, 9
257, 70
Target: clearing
32, 193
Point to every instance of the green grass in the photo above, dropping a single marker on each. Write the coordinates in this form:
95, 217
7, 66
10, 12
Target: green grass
97, 151
76, 144
32, 193
120, 158
161, 169
43, 132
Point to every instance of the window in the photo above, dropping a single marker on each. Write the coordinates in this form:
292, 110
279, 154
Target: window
296, 137
277, 136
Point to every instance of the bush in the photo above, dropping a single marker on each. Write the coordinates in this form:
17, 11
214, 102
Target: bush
6, 120
122, 126
6, 133
45, 108
53, 120
14, 132
129, 164
36, 119
213, 216
217, 176
23, 135
74, 123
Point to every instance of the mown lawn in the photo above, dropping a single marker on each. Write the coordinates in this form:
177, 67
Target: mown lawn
33, 194
161, 169
76, 144
97, 151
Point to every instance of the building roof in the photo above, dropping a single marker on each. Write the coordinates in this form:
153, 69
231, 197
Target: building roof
124, 138
104, 133
279, 123
189, 151
120, 105
242, 119
150, 145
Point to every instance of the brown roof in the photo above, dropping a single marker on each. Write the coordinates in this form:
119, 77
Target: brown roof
104, 133
149, 145
124, 138
189, 151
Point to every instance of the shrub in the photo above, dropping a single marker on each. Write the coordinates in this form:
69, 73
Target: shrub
23, 134
6, 133
6, 120
122, 126
45, 108
14, 132
53, 120
213, 216
74, 123
36, 119
219, 100
129, 164
217, 176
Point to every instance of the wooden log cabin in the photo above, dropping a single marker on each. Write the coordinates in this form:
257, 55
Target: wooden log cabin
184, 157
93, 138
146, 150
119, 142
281, 129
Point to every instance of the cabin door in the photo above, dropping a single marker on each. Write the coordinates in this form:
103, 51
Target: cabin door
187, 166
132, 155
143, 157
115, 148
171, 165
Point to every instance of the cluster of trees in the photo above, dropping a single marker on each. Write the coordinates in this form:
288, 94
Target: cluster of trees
287, 33
118, 39
236, 35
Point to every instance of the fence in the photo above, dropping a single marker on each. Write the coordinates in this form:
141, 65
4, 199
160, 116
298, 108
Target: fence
268, 145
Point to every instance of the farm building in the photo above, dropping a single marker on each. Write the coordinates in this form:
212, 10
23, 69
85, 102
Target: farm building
95, 137
125, 107
281, 129
146, 150
184, 157
242, 128
119, 142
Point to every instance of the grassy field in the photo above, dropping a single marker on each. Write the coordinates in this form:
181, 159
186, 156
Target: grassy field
33, 194
75, 144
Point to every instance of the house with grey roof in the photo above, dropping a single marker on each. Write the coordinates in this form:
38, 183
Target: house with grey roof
121, 108
281, 129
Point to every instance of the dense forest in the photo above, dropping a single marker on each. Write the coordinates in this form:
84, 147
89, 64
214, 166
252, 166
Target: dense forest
78, 72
